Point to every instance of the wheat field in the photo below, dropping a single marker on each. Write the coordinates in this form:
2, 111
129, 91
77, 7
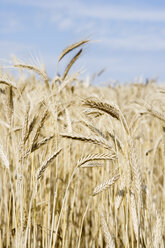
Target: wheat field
80, 165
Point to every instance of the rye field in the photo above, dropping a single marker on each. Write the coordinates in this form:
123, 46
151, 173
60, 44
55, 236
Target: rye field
81, 166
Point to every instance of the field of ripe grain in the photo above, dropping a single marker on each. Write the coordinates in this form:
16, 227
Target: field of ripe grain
81, 166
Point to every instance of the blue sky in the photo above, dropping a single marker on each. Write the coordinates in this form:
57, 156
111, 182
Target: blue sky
128, 37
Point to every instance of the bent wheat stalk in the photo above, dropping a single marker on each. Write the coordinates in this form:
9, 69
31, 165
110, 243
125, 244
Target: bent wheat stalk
73, 60
93, 157
94, 140
41, 170
35, 69
106, 184
7, 82
107, 107
71, 47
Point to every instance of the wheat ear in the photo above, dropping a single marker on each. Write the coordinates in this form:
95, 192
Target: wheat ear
135, 168
71, 47
10, 102
158, 239
7, 82
4, 158
93, 157
94, 140
110, 243
37, 70
38, 144
151, 110
134, 215
73, 60
106, 184
43, 167
39, 126
109, 108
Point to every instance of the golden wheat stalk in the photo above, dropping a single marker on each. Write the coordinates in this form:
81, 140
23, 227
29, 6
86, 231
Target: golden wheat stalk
73, 60
4, 158
35, 69
106, 184
43, 167
25, 125
107, 107
31, 125
134, 215
94, 113
39, 126
8, 82
10, 103
93, 128
158, 231
110, 243
151, 110
135, 168
40, 143
121, 192
71, 47
117, 141
37, 145
91, 164
93, 157
94, 140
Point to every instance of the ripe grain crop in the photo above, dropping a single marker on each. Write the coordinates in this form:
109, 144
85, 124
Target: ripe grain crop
80, 165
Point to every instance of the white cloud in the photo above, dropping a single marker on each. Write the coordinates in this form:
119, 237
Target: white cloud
100, 11
65, 24
125, 13
62, 22
9, 23
136, 42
